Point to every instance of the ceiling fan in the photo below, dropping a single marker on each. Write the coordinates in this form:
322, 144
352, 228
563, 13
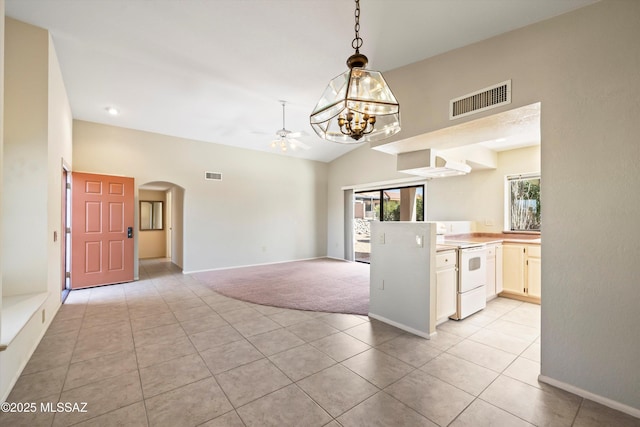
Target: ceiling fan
286, 138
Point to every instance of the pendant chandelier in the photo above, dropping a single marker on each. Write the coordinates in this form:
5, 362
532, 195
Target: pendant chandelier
357, 106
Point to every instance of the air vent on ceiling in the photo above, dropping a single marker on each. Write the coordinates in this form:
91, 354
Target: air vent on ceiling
484, 99
213, 176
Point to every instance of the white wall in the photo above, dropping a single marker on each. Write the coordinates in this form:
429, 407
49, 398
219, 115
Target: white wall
479, 196
267, 208
583, 68
403, 275
1, 144
37, 138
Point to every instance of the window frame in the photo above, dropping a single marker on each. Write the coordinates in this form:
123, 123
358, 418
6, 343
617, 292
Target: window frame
508, 179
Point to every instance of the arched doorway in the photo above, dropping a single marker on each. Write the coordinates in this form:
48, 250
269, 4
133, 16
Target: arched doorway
160, 221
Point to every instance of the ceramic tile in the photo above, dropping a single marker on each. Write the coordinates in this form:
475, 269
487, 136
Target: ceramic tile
159, 335
215, 337
438, 401
465, 375
342, 321
517, 330
43, 360
240, 315
30, 387
249, 382
203, 324
192, 404
373, 332
185, 304
524, 370
337, 389
289, 317
267, 310
444, 340
88, 371
481, 413
228, 356
286, 407
302, 361
540, 407
157, 353
101, 397
30, 419
153, 321
383, 410
340, 346
482, 355
275, 341
193, 313
130, 416
501, 341
230, 419
228, 304
312, 330
172, 374
378, 367
593, 414
411, 349
532, 352
255, 326
460, 328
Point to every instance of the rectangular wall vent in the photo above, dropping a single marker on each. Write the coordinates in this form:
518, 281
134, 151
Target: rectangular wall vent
484, 99
213, 176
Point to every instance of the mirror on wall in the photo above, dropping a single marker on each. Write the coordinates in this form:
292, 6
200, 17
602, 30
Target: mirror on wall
151, 215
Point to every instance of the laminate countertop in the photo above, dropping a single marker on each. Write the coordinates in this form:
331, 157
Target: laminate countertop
531, 239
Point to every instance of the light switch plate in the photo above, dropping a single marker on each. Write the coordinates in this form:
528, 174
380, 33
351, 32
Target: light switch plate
381, 238
420, 241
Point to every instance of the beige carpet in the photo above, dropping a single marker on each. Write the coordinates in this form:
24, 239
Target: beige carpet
318, 285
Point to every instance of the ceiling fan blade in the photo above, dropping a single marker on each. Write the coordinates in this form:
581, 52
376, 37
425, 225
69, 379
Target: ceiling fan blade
296, 143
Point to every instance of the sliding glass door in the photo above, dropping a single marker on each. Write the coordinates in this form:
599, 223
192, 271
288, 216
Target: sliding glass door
389, 204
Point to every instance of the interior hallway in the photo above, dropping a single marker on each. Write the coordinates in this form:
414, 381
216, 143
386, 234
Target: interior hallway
166, 350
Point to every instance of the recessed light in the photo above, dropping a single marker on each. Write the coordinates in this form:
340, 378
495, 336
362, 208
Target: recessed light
113, 111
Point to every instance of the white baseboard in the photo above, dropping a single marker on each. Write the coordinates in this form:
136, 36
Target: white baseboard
250, 265
634, 412
402, 326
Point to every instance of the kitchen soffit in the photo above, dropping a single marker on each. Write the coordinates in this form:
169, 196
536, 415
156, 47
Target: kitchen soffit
508, 130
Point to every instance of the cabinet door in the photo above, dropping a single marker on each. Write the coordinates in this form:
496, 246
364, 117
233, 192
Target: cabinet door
534, 277
446, 287
513, 271
491, 275
498, 269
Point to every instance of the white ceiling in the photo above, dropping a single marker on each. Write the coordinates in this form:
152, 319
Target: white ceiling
214, 70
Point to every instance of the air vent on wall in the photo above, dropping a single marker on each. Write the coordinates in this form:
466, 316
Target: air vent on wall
213, 176
484, 99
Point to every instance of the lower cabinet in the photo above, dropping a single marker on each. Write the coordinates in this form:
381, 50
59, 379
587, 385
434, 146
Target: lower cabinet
521, 269
446, 284
494, 270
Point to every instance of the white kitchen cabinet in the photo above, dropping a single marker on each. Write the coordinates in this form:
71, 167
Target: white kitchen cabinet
446, 284
521, 270
494, 270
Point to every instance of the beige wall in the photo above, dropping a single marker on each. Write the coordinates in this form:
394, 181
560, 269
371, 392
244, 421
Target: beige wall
479, 196
153, 243
37, 139
267, 208
1, 159
583, 68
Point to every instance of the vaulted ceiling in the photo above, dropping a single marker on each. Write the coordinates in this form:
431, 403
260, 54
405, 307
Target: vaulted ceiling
215, 70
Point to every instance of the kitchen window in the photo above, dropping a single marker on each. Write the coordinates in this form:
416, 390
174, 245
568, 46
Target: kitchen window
522, 212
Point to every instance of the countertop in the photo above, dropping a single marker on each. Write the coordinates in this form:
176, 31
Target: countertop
532, 239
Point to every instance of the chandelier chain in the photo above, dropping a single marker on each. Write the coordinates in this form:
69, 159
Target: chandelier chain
357, 41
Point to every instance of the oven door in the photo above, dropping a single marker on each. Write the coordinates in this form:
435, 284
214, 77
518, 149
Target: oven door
473, 268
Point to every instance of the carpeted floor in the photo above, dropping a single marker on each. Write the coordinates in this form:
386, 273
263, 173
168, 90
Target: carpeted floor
317, 285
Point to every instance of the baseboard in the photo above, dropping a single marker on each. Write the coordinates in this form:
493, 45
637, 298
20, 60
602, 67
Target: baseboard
634, 412
251, 265
402, 326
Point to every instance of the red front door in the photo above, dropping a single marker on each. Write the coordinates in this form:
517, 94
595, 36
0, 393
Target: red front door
101, 230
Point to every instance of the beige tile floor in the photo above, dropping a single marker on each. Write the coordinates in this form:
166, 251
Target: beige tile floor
168, 351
